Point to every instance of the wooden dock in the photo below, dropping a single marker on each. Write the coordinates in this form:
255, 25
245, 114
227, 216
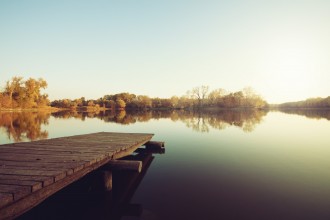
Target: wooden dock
30, 172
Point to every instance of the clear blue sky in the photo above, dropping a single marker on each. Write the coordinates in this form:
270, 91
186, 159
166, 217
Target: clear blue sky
164, 48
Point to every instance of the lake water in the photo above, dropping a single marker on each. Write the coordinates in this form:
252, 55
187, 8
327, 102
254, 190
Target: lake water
217, 165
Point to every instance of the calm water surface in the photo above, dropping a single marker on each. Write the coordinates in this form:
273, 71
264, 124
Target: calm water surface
219, 165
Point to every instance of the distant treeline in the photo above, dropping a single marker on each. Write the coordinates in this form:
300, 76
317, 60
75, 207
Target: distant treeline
308, 103
197, 98
27, 94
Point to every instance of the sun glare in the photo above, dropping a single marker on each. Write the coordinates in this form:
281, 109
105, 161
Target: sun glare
291, 66
294, 66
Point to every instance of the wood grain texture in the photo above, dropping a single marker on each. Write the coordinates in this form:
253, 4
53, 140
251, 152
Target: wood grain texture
32, 171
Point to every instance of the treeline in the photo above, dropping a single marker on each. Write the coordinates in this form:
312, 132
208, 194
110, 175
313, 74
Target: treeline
308, 103
117, 102
19, 93
247, 98
197, 98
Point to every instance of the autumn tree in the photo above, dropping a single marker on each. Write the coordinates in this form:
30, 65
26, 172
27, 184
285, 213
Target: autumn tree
215, 96
199, 93
33, 96
25, 94
14, 89
144, 101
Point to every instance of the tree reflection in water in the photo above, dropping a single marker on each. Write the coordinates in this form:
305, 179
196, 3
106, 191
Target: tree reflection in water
24, 126
244, 119
308, 112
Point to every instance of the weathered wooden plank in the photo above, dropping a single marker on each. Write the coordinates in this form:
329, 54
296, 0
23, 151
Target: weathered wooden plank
65, 146
81, 151
46, 169
47, 166
57, 175
84, 145
51, 158
56, 149
5, 199
31, 155
75, 166
17, 191
45, 180
35, 198
33, 184
123, 153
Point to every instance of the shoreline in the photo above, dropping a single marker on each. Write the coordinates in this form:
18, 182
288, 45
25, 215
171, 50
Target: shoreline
49, 109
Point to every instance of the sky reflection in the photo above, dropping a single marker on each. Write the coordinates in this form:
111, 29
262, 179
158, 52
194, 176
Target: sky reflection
279, 170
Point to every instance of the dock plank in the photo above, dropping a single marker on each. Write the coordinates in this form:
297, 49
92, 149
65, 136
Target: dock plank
45, 180
75, 166
32, 171
16, 190
57, 175
35, 185
6, 198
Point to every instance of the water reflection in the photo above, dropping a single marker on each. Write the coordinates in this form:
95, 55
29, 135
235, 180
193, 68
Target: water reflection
309, 113
23, 126
279, 172
200, 121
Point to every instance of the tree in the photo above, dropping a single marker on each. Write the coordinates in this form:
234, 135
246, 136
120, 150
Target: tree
26, 93
215, 96
14, 88
144, 101
200, 94
32, 92
4, 101
252, 99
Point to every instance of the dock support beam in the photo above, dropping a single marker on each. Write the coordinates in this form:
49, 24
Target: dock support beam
154, 145
124, 165
118, 165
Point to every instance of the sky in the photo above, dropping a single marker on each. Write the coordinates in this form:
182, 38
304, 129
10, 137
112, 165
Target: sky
281, 48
